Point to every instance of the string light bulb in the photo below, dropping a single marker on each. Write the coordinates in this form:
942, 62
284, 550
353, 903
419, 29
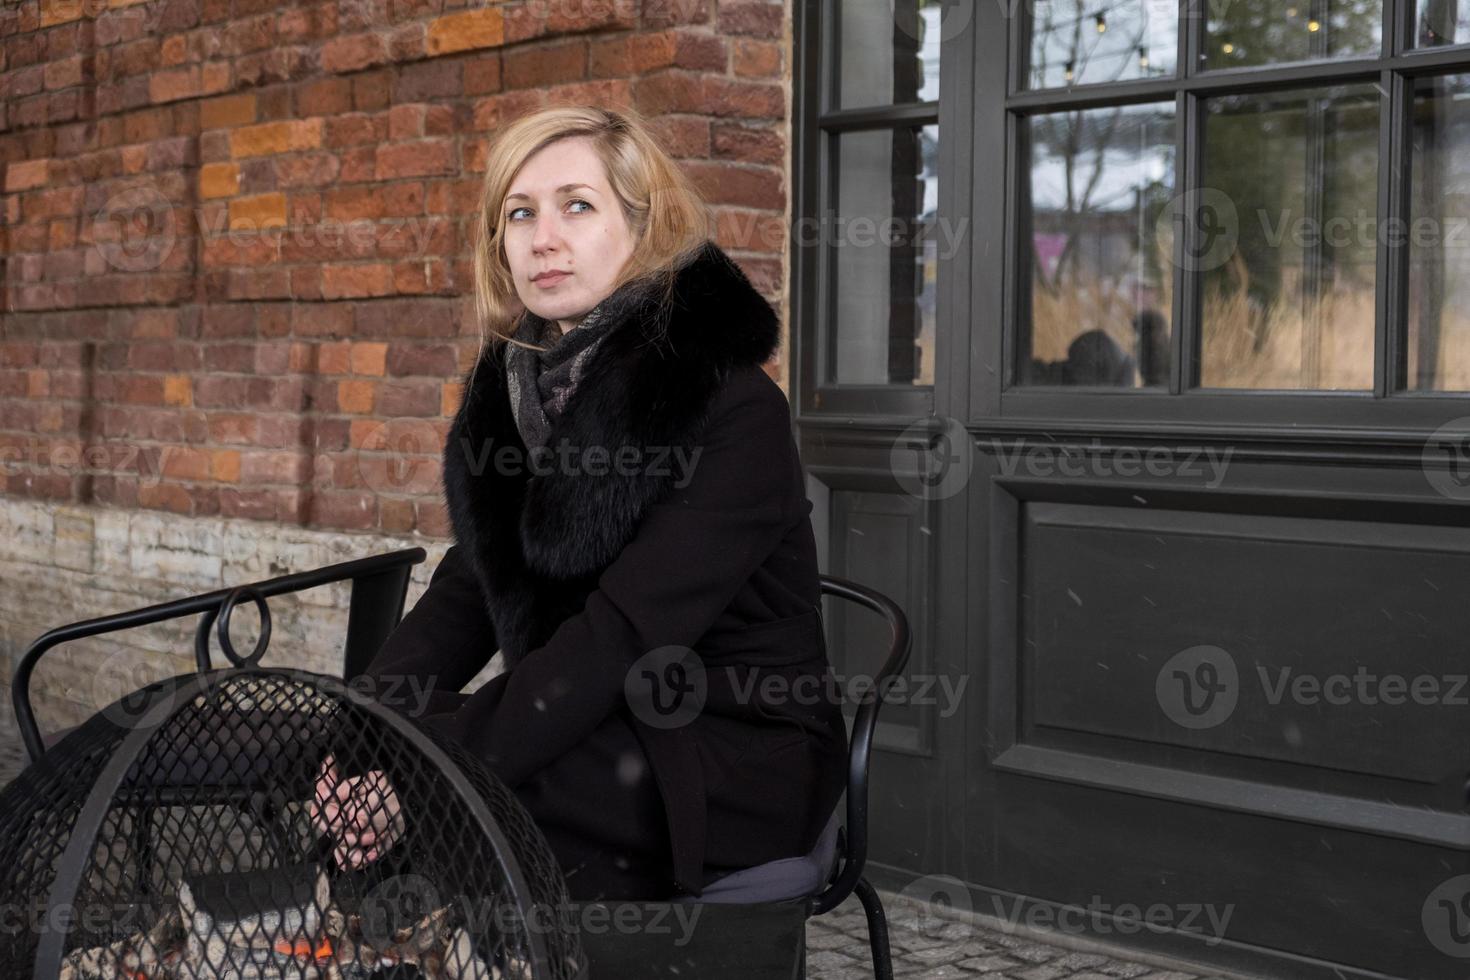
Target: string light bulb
1228, 47
1068, 73
1102, 24
1314, 26
1143, 57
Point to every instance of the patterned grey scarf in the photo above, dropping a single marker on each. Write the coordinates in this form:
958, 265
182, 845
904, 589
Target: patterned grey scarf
541, 382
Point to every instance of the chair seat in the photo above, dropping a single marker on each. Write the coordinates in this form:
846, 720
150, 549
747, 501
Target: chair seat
780, 880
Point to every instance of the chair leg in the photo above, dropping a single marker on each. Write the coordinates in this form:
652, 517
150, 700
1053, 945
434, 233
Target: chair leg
877, 929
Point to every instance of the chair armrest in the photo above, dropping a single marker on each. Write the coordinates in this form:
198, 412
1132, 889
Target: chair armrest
379, 588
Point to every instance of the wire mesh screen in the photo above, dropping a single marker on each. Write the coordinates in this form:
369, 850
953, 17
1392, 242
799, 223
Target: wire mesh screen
262, 824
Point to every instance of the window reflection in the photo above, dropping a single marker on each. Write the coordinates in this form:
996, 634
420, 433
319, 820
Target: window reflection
888, 51
1100, 271
1442, 22
1438, 334
886, 241
1263, 32
1081, 43
1289, 303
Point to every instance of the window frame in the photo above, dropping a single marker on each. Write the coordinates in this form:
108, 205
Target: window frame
816, 128
1393, 412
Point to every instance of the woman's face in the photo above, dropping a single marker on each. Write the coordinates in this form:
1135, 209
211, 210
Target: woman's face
561, 216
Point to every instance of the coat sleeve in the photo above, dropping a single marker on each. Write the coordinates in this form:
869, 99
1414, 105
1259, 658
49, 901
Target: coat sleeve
691, 554
440, 645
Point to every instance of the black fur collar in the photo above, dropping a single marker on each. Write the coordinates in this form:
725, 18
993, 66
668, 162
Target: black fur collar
538, 540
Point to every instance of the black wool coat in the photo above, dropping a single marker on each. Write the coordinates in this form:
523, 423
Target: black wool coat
734, 756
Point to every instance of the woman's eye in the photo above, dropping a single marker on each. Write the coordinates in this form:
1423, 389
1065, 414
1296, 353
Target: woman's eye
511, 215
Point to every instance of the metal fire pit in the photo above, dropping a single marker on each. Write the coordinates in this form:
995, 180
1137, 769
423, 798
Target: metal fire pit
170, 836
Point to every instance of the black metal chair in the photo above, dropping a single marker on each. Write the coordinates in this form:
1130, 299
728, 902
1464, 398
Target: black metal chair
379, 591
852, 847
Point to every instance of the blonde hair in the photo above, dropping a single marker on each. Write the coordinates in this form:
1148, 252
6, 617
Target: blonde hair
666, 215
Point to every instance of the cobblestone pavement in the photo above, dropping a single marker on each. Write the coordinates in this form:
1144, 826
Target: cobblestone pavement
837, 943
935, 949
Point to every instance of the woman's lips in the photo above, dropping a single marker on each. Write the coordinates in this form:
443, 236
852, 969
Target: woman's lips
547, 281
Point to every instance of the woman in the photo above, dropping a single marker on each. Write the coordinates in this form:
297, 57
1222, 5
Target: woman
623, 489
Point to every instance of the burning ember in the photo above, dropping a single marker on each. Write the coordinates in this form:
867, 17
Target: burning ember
278, 925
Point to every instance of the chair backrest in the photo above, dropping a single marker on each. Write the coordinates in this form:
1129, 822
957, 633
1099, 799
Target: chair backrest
379, 589
853, 852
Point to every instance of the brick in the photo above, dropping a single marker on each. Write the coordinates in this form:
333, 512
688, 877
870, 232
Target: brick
276, 137
465, 31
227, 111
755, 17
350, 509
178, 389
420, 399
356, 281
224, 465
756, 59
25, 175
170, 86
258, 213
356, 396
416, 158
723, 183
219, 180
324, 97
369, 358
545, 65
354, 53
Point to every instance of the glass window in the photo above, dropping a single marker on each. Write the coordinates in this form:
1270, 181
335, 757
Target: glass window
1076, 43
1263, 32
1438, 324
1100, 263
885, 253
1441, 22
888, 51
1292, 178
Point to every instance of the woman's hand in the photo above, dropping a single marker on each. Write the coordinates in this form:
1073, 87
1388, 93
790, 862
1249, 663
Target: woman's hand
362, 812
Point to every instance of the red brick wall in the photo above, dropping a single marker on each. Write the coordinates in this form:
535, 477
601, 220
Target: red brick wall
235, 237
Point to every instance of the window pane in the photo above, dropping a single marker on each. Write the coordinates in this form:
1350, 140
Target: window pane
889, 50
1288, 239
1439, 235
1076, 43
1100, 267
1442, 22
885, 251
1263, 32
